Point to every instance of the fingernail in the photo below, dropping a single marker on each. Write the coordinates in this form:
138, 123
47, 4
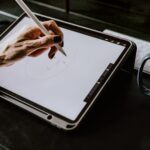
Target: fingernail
52, 56
57, 39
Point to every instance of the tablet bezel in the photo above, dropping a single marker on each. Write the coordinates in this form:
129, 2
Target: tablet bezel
95, 91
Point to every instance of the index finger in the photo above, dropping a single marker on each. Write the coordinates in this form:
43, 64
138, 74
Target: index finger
52, 25
34, 31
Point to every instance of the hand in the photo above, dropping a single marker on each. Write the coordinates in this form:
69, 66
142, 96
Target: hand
33, 43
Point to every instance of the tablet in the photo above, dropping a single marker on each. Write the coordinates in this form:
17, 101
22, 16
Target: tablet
62, 90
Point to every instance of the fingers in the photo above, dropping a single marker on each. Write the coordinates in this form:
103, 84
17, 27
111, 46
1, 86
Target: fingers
35, 46
35, 32
31, 33
42, 43
52, 25
38, 52
52, 52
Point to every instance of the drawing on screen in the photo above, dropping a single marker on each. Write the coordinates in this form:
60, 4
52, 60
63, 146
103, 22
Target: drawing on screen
43, 68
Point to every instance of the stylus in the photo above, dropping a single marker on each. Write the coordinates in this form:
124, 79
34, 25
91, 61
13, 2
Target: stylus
38, 23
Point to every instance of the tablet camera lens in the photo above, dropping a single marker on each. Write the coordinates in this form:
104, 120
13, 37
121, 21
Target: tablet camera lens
49, 117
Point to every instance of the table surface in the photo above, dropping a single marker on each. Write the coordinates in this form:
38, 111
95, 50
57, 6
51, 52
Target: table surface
119, 120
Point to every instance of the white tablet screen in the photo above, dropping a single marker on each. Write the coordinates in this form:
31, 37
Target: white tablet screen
60, 84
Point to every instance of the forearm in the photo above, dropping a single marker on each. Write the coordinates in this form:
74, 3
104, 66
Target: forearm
11, 54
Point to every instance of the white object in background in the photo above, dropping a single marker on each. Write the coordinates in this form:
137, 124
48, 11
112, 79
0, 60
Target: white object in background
143, 48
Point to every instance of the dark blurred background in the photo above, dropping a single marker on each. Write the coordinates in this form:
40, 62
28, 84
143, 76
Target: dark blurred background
129, 16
